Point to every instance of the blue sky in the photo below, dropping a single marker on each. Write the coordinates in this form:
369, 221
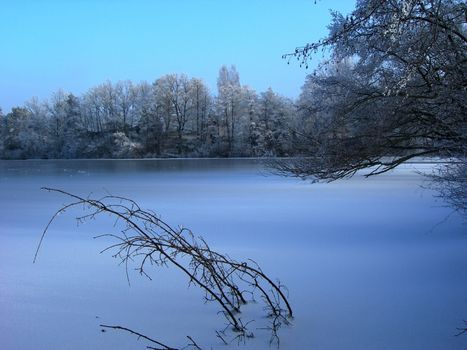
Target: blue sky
73, 45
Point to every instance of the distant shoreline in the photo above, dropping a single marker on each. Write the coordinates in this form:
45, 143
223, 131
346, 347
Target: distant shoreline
424, 160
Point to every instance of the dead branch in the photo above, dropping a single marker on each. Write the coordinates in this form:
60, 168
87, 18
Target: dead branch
462, 330
146, 239
139, 335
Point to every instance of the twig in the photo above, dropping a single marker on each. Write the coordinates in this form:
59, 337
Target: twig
462, 330
146, 238
164, 347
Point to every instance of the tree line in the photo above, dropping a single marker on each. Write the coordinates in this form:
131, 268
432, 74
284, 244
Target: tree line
175, 116
393, 88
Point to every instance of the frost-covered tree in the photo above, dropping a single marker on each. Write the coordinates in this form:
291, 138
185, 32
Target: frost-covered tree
275, 115
229, 106
251, 138
125, 97
176, 99
401, 96
228, 76
149, 124
164, 106
2, 132
99, 116
57, 120
202, 101
96, 108
21, 139
102, 108
74, 128
64, 125
38, 125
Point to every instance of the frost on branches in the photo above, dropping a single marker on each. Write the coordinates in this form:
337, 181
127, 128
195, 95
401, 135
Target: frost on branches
394, 88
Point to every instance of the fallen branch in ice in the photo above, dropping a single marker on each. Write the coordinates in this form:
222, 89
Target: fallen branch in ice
139, 335
225, 281
160, 346
462, 330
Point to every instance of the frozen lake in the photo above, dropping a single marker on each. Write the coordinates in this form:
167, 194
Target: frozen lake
368, 263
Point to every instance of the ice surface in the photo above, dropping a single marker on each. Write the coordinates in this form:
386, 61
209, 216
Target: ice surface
366, 264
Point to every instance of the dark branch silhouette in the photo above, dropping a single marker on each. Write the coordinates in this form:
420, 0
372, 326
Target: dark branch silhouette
393, 90
462, 330
146, 240
139, 335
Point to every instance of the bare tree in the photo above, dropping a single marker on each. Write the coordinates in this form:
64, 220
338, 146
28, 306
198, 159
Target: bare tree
146, 240
393, 89
229, 101
450, 181
201, 105
175, 95
126, 95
